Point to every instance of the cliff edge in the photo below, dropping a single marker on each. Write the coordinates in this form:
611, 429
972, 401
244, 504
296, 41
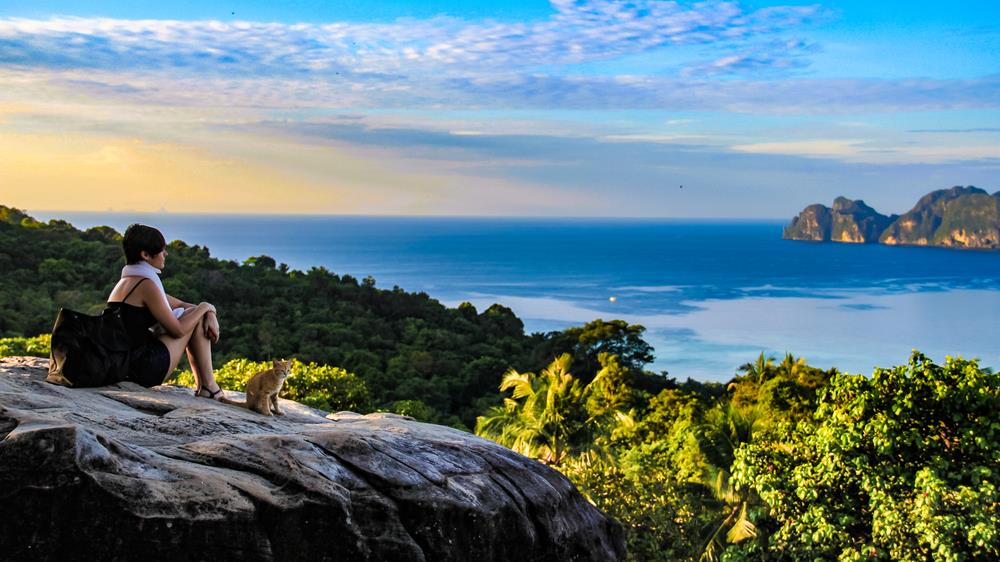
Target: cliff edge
129, 473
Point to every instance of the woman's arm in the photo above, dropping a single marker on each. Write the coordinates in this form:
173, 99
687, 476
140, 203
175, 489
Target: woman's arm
164, 315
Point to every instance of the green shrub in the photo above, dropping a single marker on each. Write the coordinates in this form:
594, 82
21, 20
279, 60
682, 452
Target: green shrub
37, 346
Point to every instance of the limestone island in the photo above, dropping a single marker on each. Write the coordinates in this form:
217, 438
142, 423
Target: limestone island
960, 217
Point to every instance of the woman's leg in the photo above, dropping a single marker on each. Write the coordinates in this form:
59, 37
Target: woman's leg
199, 353
176, 347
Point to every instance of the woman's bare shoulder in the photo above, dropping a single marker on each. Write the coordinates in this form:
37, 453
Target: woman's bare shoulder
125, 286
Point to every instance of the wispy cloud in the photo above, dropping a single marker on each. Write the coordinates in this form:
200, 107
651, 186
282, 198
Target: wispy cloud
787, 96
580, 30
451, 63
399, 169
966, 130
816, 147
437, 62
448, 114
773, 56
769, 178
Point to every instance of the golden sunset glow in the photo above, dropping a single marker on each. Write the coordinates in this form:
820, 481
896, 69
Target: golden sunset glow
236, 175
97, 174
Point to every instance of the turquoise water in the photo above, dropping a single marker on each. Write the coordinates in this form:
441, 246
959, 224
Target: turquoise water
711, 294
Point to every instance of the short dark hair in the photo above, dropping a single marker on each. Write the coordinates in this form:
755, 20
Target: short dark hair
139, 238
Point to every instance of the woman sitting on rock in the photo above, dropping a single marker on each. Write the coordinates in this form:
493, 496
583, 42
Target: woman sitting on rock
180, 326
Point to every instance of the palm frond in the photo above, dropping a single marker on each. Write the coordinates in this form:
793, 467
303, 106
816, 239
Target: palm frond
520, 383
742, 528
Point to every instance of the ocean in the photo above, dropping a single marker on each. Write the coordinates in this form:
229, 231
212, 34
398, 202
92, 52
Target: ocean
711, 294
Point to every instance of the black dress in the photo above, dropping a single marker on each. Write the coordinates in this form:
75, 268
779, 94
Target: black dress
149, 358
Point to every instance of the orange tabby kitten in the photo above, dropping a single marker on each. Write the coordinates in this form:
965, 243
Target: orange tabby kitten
263, 388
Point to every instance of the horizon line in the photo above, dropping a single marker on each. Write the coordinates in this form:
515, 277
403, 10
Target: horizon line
401, 216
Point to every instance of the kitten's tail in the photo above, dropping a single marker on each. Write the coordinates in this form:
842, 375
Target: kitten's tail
225, 400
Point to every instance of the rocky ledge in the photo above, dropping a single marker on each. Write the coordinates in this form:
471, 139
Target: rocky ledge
129, 473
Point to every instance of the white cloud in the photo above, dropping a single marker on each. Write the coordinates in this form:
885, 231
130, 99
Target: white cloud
857, 150
449, 63
580, 31
788, 96
773, 56
650, 137
815, 147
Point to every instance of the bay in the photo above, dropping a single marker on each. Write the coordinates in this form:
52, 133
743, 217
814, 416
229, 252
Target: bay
712, 294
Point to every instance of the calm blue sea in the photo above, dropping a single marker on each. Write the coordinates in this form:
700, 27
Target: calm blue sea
711, 294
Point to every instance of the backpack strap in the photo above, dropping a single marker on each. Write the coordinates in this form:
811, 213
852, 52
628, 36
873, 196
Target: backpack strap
134, 287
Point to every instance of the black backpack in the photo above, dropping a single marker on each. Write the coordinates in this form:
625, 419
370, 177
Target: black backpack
89, 350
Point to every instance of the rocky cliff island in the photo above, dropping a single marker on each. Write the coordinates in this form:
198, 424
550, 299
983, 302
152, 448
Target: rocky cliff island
960, 217
129, 473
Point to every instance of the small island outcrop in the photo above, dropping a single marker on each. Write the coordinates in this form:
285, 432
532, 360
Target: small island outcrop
129, 473
848, 221
960, 217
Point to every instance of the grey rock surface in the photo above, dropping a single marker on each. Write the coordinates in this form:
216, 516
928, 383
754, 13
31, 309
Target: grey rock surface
129, 473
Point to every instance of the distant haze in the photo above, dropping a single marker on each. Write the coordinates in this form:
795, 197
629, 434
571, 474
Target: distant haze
647, 108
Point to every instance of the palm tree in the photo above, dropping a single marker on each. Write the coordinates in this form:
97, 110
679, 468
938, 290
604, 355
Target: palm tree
552, 415
761, 369
791, 367
724, 433
545, 415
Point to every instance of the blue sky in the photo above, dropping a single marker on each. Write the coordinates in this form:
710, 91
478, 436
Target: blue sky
570, 107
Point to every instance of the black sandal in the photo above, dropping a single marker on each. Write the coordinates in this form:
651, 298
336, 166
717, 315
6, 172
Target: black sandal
211, 395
